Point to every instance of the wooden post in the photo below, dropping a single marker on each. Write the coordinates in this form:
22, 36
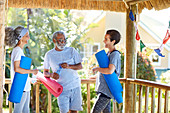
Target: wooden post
2, 35
130, 62
88, 97
37, 97
134, 99
146, 98
153, 100
166, 102
114, 107
159, 100
140, 99
10, 103
49, 102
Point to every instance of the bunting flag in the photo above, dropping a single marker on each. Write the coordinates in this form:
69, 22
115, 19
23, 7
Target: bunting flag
167, 37
137, 36
142, 45
165, 40
148, 51
135, 25
158, 51
131, 15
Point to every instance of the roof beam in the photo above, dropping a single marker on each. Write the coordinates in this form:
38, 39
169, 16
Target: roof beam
128, 1
122, 0
131, 2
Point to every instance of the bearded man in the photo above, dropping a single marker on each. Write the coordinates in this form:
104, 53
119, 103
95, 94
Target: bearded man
64, 62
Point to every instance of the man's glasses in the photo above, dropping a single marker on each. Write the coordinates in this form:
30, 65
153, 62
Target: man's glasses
61, 40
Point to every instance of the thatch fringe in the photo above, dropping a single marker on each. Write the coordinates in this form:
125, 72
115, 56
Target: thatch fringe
87, 4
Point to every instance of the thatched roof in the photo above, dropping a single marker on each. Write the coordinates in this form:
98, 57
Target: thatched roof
112, 5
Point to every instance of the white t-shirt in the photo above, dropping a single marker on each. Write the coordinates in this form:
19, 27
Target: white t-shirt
16, 56
68, 78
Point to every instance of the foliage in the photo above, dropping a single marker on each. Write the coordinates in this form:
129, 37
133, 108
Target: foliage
17, 17
42, 24
165, 77
144, 69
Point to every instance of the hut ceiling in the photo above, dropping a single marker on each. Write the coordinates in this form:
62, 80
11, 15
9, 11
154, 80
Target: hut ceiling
112, 5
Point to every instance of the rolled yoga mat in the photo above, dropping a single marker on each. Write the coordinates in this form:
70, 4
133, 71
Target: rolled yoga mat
111, 79
52, 86
19, 81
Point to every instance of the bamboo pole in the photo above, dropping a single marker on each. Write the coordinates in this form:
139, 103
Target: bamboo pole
2, 35
130, 62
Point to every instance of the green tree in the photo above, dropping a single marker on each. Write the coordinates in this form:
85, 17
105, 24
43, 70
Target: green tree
165, 77
145, 70
17, 17
43, 23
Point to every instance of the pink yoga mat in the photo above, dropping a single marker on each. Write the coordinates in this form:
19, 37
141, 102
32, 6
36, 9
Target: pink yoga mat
52, 86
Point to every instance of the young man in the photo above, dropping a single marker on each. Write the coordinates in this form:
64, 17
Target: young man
103, 103
64, 61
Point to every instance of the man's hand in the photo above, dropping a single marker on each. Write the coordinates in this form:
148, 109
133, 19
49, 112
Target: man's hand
55, 76
65, 65
52, 75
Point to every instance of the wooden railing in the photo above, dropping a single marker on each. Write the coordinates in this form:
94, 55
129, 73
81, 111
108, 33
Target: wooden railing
137, 83
153, 86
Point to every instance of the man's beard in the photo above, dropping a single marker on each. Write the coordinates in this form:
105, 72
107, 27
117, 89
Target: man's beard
60, 46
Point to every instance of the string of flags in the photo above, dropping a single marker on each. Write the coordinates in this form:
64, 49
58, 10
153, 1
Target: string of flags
142, 45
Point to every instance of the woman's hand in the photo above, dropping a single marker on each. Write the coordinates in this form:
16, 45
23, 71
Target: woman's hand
34, 71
